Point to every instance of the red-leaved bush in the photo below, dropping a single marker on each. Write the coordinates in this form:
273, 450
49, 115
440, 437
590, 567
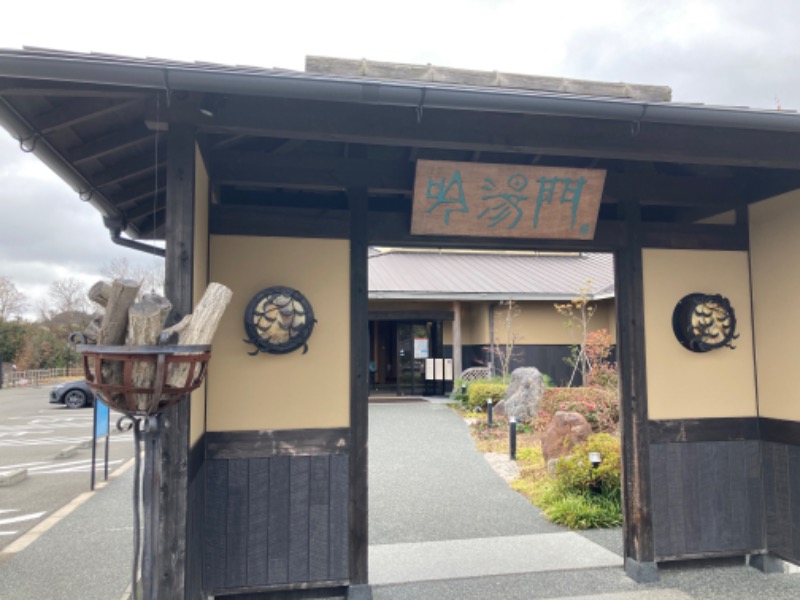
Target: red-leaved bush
598, 405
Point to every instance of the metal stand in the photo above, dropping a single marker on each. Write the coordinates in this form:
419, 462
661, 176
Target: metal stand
140, 426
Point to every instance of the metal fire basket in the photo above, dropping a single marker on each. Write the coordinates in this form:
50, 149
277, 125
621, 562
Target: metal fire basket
102, 362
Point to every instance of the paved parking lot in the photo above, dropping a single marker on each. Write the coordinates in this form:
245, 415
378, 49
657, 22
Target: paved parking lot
33, 436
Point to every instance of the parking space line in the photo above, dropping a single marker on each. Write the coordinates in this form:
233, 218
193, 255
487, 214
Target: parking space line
32, 535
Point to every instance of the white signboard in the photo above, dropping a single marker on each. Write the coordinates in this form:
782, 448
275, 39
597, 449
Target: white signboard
420, 347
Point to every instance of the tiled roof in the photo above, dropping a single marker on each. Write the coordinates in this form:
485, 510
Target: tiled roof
404, 274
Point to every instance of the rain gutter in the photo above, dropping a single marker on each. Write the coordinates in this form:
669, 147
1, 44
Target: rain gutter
298, 85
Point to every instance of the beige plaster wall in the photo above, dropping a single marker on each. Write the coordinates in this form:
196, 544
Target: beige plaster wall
774, 251
688, 385
475, 323
539, 323
197, 424
295, 390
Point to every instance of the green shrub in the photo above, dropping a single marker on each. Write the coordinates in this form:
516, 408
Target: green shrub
583, 511
578, 496
457, 395
598, 405
576, 474
479, 392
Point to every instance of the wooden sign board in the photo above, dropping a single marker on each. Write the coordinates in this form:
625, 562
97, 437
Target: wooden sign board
517, 201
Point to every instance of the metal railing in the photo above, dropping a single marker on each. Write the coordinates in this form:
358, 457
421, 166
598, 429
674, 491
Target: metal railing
38, 377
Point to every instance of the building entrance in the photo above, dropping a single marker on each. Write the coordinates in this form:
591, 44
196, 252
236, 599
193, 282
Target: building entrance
400, 357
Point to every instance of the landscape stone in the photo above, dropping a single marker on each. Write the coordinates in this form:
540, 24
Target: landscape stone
523, 395
565, 431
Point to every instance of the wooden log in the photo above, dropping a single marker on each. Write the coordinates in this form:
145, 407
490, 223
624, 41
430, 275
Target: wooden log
200, 326
145, 322
112, 332
100, 292
93, 330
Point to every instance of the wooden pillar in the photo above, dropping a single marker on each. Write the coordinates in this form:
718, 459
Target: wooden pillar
636, 489
164, 568
359, 392
457, 350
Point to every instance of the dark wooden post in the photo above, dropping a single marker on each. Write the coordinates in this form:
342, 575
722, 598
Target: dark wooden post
636, 493
166, 500
359, 392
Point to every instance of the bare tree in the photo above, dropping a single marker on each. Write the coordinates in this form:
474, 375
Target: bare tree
577, 314
503, 351
68, 295
12, 302
151, 279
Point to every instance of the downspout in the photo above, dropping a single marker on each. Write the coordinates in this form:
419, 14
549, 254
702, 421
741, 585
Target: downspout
134, 245
115, 229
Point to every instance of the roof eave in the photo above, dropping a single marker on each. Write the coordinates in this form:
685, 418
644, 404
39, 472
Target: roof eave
204, 78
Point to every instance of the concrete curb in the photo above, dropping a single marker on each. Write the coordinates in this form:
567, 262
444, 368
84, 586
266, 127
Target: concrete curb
10, 478
67, 452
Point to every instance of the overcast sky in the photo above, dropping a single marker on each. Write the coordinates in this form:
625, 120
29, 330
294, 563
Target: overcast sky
727, 52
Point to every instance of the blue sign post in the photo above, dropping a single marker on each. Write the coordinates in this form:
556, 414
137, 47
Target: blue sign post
102, 418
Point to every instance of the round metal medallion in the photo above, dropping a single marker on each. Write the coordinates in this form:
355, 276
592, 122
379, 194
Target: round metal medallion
704, 322
278, 320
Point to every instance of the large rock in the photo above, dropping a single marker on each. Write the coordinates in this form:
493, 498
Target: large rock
565, 431
523, 395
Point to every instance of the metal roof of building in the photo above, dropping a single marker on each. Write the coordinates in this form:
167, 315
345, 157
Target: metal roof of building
404, 274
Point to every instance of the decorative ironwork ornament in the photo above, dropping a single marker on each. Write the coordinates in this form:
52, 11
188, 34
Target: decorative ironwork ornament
704, 322
278, 320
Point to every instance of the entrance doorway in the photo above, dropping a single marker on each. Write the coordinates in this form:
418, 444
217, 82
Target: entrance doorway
399, 353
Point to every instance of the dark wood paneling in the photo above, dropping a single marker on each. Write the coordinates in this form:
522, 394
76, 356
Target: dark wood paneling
677, 236
195, 528
253, 220
258, 521
278, 540
411, 315
521, 133
216, 518
359, 387
237, 524
780, 431
675, 496
707, 499
340, 550
689, 479
703, 430
392, 228
278, 523
266, 443
318, 519
299, 540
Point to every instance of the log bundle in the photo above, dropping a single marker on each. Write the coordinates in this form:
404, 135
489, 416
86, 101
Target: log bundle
132, 322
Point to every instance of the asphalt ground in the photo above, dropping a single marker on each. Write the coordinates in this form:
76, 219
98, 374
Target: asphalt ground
32, 435
428, 484
83, 551
429, 490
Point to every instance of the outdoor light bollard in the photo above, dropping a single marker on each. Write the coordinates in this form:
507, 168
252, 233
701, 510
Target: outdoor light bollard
512, 438
463, 389
595, 459
489, 413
